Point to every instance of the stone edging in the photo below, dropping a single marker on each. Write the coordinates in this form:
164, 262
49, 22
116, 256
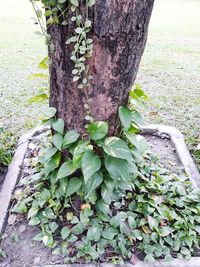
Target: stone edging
13, 175
162, 131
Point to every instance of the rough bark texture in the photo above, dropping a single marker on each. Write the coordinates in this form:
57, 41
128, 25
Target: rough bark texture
119, 33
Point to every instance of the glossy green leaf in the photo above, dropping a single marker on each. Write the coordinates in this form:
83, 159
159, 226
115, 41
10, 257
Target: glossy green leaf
117, 168
70, 137
58, 126
91, 163
97, 130
65, 232
73, 186
125, 115
66, 169
57, 140
117, 148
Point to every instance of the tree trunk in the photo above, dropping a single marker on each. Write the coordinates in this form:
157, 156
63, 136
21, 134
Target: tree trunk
119, 33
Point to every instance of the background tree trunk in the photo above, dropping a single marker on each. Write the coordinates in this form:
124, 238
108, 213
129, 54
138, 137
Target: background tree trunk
119, 33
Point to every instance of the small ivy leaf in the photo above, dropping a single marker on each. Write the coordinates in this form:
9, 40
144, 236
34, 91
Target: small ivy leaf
70, 137
74, 2
73, 186
88, 23
65, 232
48, 240
125, 115
58, 126
97, 130
94, 233
91, 163
90, 3
65, 170
57, 140
50, 113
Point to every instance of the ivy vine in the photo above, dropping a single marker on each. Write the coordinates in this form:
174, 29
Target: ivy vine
59, 12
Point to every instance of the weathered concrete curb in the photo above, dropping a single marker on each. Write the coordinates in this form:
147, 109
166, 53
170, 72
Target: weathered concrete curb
159, 130
182, 151
193, 262
13, 175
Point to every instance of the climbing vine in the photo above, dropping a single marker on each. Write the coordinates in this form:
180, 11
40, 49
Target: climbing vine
65, 12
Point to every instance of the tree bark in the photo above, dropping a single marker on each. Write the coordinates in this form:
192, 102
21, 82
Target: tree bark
119, 33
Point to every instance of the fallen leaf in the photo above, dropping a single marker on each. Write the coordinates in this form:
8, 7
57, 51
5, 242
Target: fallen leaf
85, 206
146, 229
134, 259
37, 260
12, 219
22, 228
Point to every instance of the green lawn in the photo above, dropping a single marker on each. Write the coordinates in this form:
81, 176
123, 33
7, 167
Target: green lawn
169, 71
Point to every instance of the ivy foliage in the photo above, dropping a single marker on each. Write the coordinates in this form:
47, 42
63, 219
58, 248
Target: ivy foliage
102, 198
73, 13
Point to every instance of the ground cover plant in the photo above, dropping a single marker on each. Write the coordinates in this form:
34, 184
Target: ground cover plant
166, 67
107, 198
98, 194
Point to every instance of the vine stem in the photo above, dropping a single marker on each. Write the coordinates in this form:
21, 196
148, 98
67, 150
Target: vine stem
34, 7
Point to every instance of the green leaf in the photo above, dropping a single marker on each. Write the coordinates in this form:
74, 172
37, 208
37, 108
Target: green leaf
73, 186
33, 211
58, 126
117, 148
185, 251
65, 232
103, 207
117, 168
74, 2
66, 169
57, 140
34, 221
91, 3
138, 141
38, 98
48, 240
94, 233
97, 130
152, 222
149, 258
70, 137
49, 152
91, 163
45, 62
125, 115
106, 194
94, 181
92, 252
50, 113
78, 229
110, 233
39, 76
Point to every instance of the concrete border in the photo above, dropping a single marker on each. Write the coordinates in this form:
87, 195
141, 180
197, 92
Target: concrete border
13, 175
162, 131
193, 262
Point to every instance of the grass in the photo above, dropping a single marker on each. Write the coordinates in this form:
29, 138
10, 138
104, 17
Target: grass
169, 71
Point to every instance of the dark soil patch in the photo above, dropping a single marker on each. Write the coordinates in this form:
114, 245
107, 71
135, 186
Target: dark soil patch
18, 244
3, 171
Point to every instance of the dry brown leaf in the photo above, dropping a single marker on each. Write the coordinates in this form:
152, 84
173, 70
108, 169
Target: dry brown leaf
12, 219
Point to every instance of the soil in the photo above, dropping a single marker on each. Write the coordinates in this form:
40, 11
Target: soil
18, 244
3, 171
